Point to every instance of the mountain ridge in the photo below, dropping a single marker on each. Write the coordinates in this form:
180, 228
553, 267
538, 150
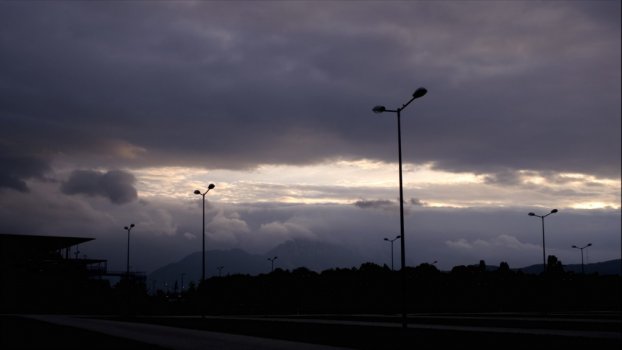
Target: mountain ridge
313, 255
608, 267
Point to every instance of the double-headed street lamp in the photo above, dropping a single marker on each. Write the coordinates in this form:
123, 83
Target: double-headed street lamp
210, 187
272, 262
420, 92
543, 245
127, 268
391, 241
581, 248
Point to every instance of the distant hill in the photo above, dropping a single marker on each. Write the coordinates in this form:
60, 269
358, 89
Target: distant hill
610, 267
233, 261
313, 255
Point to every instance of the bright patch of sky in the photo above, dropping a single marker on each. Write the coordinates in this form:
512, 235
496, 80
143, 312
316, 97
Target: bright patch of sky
345, 182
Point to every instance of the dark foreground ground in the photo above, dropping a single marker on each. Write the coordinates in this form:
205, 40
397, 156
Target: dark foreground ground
385, 332
483, 331
23, 333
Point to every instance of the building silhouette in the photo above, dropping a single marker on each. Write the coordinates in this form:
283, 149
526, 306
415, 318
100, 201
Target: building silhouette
47, 274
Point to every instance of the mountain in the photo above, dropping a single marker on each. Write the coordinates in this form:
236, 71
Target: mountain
609, 267
313, 255
233, 261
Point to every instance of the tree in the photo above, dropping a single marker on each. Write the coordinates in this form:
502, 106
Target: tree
554, 265
504, 267
482, 266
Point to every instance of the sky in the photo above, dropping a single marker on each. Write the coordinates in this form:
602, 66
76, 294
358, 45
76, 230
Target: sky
115, 112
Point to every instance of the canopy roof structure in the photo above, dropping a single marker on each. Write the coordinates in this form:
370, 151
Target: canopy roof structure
14, 246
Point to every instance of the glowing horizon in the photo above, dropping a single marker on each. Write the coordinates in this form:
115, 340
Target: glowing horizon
345, 182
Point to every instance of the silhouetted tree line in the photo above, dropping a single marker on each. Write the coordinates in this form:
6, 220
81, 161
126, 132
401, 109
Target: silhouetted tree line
370, 288
66, 293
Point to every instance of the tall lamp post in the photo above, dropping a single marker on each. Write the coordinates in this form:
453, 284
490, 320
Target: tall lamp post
543, 244
210, 187
420, 92
127, 267
272, 262
127, 271
391, 241
581, 248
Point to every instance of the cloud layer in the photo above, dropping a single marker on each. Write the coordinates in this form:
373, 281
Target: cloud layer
114, 112
168, 230
116, 185
224, 85
15, 170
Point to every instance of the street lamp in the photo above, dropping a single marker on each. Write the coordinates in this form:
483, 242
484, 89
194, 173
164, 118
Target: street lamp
543, 245
127, 269
420, 92
581, 248
220, 270
272, 261
391, 241
210, 187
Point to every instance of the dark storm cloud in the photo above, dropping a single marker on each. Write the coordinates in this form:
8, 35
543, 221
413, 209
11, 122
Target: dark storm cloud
116, 185
376, 204
233, 85
14, 170
387, 205
417, 202
507, 177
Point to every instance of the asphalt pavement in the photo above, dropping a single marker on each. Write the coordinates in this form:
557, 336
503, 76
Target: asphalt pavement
353, 331
176, 338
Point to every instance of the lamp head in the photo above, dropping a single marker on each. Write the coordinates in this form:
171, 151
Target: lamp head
531, 214
125, 227
589, 244
574, 246
400, 236
211, 186
379, 109
553, 211
132, 225
197, 192
420, 92
386, 239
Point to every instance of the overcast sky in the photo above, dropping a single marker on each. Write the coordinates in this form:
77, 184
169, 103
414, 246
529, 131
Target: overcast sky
115, 112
